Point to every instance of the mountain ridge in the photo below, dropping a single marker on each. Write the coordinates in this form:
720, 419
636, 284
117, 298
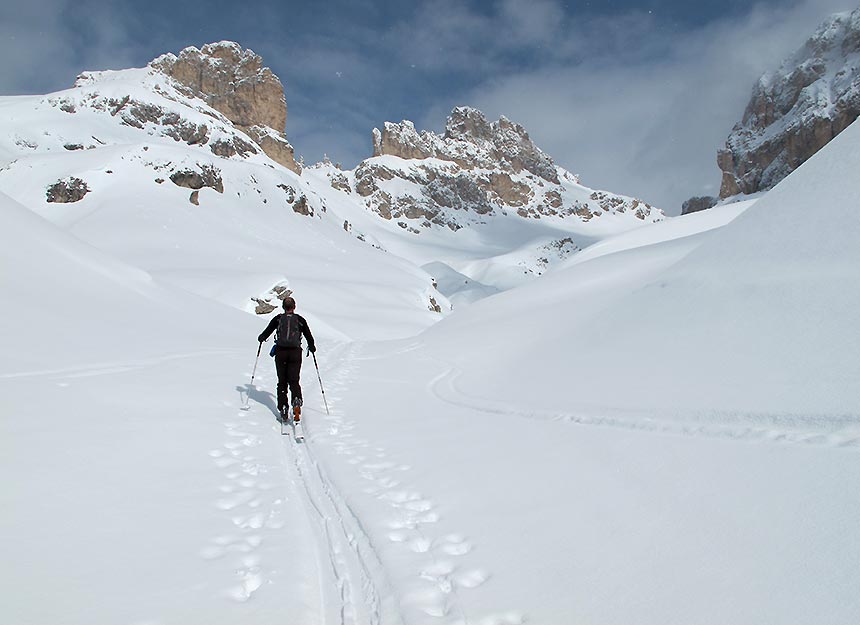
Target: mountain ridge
204, 128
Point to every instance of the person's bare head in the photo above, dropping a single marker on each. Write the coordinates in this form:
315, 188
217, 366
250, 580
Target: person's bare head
289, 304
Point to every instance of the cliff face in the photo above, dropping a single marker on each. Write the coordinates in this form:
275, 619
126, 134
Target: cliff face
234, 82
796, 110
477, 168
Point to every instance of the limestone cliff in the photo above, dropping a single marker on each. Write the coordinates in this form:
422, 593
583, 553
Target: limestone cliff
796, 110
234, 82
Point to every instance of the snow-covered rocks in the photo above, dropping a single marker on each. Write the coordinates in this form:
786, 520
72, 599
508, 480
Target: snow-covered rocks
475, 169
219, 98
796, 110
68, 190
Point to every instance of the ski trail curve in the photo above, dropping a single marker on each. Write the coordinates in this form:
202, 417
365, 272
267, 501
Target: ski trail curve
835, 431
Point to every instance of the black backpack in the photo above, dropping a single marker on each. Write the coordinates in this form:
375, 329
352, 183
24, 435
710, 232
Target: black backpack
289, 331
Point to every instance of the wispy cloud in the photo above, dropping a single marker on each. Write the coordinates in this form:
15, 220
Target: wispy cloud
46, 43
639, 108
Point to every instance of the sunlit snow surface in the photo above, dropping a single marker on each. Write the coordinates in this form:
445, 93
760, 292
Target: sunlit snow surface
661, 430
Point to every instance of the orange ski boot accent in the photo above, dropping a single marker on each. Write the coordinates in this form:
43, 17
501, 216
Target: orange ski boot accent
297, 413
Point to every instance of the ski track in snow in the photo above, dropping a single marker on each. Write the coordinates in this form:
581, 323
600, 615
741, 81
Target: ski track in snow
433, 593
753, 428
355, 569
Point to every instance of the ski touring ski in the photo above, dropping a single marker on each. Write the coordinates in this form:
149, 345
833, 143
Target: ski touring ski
298, 431
295, 427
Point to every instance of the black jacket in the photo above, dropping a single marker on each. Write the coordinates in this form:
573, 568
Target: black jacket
273, 325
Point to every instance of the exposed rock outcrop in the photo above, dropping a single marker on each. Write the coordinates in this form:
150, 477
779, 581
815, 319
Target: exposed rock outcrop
234, 82
696, 204
796, 110
271, 300
207, 176
68, 190
231, 80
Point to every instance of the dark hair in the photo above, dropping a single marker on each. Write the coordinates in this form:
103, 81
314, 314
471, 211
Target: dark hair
289, 303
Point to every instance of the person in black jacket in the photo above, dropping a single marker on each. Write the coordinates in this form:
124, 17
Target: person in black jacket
289, 329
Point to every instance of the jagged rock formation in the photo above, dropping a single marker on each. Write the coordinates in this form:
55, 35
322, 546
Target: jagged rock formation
234, 82
796, 110
470, 141
475, 169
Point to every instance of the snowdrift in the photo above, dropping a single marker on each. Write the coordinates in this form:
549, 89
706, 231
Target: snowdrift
69, 304
756, 317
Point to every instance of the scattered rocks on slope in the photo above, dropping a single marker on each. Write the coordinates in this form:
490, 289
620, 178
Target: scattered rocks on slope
796, 110
271, 299
340, 182
232, 147
302, 207
138, 114
68, 190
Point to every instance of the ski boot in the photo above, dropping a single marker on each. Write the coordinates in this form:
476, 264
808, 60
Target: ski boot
297, 409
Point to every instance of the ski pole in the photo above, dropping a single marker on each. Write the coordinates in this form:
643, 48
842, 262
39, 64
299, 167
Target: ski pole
256, 360
253, 373
321, 385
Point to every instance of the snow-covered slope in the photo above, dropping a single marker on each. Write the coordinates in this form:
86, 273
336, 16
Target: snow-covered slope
71, 305
664, 432
758, 319
118, 422
156, 195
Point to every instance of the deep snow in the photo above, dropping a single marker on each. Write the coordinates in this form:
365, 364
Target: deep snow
662, 429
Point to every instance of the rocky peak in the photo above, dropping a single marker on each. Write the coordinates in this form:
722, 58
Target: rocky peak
469, 141
475, 170
231, 80
467, 124
234, 82
796, 110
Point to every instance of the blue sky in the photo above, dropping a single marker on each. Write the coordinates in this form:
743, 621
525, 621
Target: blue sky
636, 97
